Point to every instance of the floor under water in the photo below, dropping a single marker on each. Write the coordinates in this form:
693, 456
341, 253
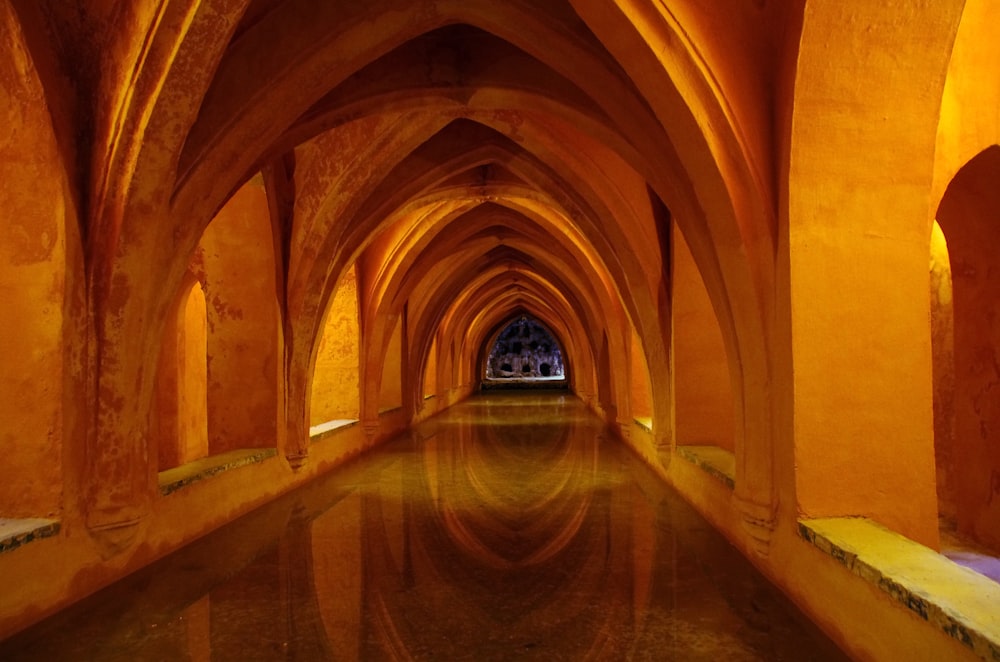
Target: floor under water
510, 527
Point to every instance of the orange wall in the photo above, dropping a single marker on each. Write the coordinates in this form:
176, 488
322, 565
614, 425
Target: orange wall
193, 366
641, 396
702, 390
430, 371
335, 387
237, 256
33, 288
181, 403
391, 394
31, 362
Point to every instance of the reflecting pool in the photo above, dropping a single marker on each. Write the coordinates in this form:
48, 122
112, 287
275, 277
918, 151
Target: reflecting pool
511, 527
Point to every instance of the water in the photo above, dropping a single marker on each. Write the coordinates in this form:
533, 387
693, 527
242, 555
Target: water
509, 528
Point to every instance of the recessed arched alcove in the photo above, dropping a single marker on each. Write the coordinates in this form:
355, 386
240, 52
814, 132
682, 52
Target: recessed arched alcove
216, 387
181, 403
335, 394
966, 415
524, 354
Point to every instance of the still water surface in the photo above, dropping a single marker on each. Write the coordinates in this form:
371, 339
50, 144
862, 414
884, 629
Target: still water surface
509, 528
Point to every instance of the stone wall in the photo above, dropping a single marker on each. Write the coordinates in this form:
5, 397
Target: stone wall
524, 349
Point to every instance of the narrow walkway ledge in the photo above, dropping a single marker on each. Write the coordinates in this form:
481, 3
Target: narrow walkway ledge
718, 462
17, 532
174, 479
963, 603
324, 430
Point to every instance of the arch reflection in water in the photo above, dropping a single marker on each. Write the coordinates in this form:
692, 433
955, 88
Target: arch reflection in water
507, 528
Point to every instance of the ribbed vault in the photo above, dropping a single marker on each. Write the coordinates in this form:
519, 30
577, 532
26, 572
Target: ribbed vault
287, 230
468, 160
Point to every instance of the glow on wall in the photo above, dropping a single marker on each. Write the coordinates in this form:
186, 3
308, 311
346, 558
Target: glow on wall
525, 350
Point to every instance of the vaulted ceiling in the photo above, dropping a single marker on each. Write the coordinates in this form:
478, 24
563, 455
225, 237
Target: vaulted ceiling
473, 159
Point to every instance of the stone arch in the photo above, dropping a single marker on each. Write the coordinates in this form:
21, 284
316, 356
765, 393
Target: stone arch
157, 70
872, 213
604, 84
386, 294
717, 182
495, 295
968, 121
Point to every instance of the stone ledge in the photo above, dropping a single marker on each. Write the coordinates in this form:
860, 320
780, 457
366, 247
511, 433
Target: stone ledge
717, 462
962, 603
645, 422
174, 479
324, 430
17, 532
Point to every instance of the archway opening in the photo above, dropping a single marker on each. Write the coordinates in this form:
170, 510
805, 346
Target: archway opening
525, 354
968, 454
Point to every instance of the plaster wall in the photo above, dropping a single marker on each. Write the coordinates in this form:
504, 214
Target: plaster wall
33, 287
430, 371
236, 261
192, 370
391, 393
702, 388
641, 400
336, 386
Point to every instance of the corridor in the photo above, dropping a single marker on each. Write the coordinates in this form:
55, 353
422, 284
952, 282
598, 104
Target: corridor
509, 527
245, 245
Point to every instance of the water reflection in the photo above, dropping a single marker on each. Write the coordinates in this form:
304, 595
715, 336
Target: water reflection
510, 528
